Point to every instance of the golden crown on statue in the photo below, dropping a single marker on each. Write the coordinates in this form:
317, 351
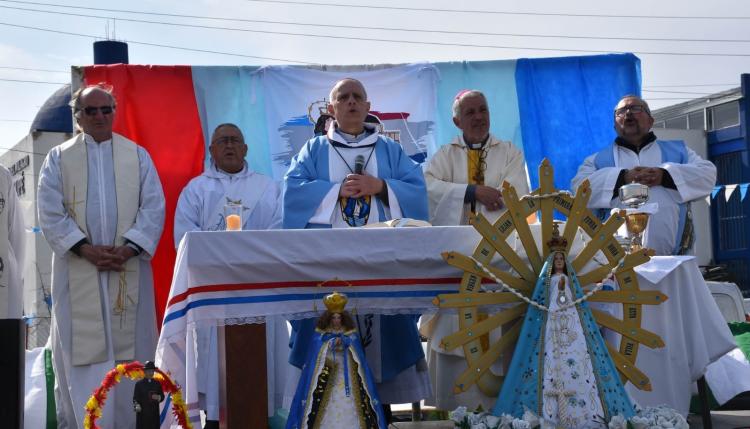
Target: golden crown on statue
557, 243
335, 302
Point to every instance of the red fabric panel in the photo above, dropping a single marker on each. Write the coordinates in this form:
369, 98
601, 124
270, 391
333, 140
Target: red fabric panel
156, 108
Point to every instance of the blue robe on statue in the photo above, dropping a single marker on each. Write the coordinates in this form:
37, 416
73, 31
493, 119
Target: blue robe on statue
524, 386
319, 390
307, 185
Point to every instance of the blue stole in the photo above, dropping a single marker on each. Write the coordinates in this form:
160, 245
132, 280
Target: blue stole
522, 387
306, 182
318, 344
673, 151
305, 185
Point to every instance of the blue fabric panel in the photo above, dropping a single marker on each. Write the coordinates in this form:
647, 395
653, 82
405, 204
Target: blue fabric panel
566, 106
497, 80
234, 94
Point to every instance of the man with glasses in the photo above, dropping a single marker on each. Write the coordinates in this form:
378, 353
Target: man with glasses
101, 209
674, 174
227, 180
230, 180
464, 178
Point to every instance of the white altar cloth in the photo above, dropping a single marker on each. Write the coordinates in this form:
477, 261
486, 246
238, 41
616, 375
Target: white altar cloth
241, 277
691, 325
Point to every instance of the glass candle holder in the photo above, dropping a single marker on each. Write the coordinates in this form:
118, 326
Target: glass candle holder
233, 217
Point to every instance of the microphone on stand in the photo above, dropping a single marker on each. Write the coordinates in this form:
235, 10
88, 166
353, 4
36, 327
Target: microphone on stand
359, 164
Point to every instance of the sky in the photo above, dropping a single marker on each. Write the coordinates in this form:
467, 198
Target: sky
688, 49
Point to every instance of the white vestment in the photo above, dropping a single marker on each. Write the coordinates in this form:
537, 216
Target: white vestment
447, 179
11, 275
446, 175
201, 203
201, 208
694, 179
76, 383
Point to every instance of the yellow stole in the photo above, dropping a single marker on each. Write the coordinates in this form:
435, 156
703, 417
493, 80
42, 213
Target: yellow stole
89, 340
475, 173
473, 158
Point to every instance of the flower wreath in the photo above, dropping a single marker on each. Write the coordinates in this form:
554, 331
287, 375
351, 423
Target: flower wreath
134, 371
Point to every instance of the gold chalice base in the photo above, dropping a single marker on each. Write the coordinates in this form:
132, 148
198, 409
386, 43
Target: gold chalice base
636, 223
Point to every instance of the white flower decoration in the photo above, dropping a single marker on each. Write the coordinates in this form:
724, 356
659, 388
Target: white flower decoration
493, 422
531, 418
618, 422
458, 414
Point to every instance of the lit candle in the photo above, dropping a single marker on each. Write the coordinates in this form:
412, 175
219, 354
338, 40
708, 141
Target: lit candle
234, 222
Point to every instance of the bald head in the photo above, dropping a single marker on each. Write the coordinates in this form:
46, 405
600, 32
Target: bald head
349, 105
337, 85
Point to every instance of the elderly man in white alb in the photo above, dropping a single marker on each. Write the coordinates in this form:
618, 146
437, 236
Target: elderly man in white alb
101, 209
201, 208
674, 174
465, 177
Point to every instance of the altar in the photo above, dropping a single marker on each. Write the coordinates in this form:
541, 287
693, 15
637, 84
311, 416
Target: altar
229, 278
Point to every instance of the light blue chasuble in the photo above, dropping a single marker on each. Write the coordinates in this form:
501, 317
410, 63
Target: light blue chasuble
306, 184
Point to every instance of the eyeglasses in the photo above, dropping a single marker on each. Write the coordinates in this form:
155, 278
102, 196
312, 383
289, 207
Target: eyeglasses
228, 139
634, 109
91, 110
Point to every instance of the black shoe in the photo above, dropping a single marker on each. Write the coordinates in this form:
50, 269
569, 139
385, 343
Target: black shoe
211, 424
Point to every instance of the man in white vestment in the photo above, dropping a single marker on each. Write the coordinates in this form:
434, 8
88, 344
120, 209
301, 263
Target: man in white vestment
350, 177
229, 179
101, 209
465, 177
674, 174
12, 327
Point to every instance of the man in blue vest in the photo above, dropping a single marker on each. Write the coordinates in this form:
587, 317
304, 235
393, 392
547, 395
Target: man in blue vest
674, 174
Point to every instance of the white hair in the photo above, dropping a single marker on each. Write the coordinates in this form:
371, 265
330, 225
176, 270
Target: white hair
457, 101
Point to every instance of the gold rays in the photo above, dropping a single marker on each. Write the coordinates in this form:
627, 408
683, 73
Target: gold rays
523, 277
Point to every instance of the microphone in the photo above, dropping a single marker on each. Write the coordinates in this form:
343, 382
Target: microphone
359, 164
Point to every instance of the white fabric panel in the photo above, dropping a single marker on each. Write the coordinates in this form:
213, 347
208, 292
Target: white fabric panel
409, 89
